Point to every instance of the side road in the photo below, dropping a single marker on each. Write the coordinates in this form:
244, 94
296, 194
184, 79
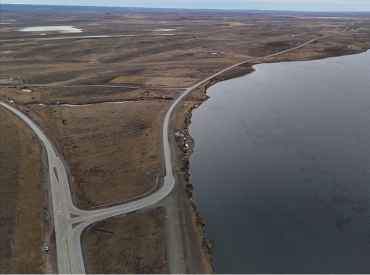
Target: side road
70, 221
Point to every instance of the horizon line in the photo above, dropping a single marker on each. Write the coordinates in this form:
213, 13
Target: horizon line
208, 9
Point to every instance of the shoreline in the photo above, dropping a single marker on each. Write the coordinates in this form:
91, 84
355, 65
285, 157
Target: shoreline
185, 145
184, 149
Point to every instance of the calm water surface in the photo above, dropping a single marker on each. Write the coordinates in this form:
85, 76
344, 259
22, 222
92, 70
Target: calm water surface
281, 168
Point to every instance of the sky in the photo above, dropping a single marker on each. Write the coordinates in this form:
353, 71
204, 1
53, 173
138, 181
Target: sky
295, 5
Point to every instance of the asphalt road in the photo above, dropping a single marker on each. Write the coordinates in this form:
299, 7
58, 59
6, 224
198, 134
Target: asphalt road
70, 221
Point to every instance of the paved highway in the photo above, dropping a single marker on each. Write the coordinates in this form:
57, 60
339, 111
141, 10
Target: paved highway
70, 221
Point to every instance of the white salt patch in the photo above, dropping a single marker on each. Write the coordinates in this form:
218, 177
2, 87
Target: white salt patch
11, 101
118, 102
27, 90
42, 105
89, 36
214, 53
164, 30
60, 29
74, 37
75, 105
42, 33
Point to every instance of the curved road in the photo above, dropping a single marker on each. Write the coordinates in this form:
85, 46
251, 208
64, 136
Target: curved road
70, 221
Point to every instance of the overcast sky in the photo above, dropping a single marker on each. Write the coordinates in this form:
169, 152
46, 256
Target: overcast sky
299, 5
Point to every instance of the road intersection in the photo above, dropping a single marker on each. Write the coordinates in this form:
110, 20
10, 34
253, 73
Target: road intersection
69, 221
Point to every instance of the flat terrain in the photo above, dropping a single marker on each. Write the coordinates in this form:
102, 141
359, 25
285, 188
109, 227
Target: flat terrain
113, 149
142, 248
112, 146
199, 43
23, 199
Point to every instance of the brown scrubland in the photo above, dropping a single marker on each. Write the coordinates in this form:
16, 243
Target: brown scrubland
23, 214
143, 249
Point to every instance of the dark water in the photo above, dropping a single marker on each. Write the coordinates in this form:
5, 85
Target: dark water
281, 168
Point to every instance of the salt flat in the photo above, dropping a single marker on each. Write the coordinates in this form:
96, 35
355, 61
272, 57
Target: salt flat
164, 30
60, 29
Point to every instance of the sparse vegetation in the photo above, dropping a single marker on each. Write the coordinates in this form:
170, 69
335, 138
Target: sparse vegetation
142, 248
22, 197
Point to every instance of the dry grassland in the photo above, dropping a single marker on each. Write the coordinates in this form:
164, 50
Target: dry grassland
150, 58
22, 199
112, 148
142, 248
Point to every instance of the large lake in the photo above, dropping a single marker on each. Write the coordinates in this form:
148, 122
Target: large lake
281, 168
